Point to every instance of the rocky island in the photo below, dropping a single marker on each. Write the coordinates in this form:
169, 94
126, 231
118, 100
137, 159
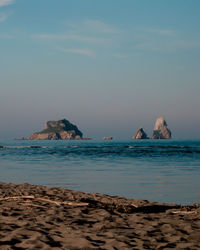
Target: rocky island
140, 134
161, 130
58, 130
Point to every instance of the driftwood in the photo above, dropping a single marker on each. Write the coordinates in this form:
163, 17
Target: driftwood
31, 197
183, 212
81, 204
48, 201
134, 205
17, 197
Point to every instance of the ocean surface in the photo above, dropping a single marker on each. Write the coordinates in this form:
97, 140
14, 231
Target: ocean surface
156, 170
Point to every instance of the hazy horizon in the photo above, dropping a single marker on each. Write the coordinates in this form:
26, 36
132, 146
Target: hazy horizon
107, 66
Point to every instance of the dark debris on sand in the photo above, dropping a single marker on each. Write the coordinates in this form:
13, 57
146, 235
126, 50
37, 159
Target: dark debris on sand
37, 217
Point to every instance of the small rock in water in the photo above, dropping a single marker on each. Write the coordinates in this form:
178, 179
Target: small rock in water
140, 134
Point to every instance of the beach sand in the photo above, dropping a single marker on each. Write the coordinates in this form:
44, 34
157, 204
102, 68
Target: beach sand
38, 217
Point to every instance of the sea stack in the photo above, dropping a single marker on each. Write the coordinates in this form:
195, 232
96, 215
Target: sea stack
161, 130
58, 130
140, 134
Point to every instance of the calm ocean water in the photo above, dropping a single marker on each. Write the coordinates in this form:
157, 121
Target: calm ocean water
158, 170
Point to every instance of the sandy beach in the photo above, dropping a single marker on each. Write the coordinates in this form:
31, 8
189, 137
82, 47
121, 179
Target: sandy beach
38, 217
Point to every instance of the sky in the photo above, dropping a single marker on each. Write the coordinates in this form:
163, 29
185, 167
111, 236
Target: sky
108, 66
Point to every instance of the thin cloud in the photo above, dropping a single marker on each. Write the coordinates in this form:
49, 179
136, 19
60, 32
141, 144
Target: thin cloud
99, 26
92, 26
158, 40
162, 32
85, 52
6, 2
72, 37
168, 45
85, 32
121, 56
125, 55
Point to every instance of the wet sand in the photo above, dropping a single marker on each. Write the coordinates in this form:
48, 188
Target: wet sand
37, 217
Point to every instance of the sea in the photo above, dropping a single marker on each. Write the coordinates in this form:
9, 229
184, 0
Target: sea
154, 170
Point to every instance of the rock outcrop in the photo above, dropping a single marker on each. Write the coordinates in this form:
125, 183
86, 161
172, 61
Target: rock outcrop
58, 130
108, 138
140, 134
161, 130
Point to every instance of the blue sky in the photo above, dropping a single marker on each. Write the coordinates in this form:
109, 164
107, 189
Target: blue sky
109, 66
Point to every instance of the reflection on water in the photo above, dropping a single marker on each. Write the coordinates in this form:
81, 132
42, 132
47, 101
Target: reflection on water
155, 170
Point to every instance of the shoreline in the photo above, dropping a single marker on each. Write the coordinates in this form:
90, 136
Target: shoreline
34, 216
